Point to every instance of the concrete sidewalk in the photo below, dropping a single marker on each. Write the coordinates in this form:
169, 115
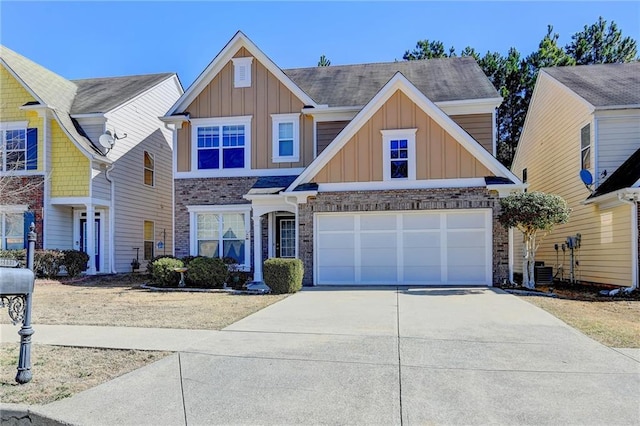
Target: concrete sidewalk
364, 356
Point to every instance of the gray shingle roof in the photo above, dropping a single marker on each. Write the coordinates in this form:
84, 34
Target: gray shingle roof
443, 79
603, 85
97, 95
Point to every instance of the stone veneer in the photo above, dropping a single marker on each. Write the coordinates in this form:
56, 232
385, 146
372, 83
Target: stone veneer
34, 198
422, 199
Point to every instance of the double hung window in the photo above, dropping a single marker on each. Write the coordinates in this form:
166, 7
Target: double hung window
286, 137
12, 226
399, 154
18, 147
585, 147
222, 145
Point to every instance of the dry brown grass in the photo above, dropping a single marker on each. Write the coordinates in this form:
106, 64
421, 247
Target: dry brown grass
612, 323
120, 301
59, 372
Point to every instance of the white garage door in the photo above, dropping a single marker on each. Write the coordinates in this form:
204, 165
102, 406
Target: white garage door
442, 247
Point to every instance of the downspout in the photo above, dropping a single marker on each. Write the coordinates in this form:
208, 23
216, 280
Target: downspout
634, 240
112, 219
295, 206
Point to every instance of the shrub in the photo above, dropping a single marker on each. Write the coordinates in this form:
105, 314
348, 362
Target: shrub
19, 255
283, 275
75, 261
151, 262
207, 272
46, 263
163, 273
187, 259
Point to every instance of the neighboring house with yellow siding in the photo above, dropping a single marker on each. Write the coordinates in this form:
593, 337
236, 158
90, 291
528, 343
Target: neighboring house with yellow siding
50, 135
587, 118
370, 174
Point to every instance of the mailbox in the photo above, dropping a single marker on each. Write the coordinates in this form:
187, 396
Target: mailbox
14, 281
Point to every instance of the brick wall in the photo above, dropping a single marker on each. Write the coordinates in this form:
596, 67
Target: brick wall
428, 199
34, 198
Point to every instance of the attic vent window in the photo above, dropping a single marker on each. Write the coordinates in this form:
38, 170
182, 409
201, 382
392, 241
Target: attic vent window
242, 72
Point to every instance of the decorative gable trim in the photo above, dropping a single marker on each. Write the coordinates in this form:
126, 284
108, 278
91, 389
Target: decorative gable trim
226, 54
400, 82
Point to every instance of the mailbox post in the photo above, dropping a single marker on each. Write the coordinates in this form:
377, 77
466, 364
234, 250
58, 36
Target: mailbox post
16, 290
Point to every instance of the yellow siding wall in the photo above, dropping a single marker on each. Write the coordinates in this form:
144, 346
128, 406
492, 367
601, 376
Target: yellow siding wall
550, 150
266, 96
69, 167
438, 154
12, 96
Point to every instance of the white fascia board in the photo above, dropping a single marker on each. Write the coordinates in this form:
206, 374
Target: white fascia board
96, 118
332, 113
613, 198
469, 106
225, 55
211, 173
620, 107
400, 82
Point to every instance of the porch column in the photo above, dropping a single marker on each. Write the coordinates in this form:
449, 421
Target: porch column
90, 238
257, 248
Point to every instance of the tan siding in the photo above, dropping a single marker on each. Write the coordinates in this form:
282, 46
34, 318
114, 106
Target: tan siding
326, 131
550, 150
479, 126
266, 96
438, 154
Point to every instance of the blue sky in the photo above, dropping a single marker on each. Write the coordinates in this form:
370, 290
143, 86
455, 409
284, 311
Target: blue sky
97, 39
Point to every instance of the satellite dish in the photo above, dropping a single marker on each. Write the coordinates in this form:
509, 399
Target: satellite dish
586, 177
106, 140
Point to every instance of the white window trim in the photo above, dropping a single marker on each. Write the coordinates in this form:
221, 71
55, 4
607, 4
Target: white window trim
218, 209
145, 168
8, 126
276, 120
588, 147
221, 121
387, 136
238, 65
14, 125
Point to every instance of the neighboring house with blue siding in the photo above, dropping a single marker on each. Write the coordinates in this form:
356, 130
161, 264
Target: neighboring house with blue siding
50, 130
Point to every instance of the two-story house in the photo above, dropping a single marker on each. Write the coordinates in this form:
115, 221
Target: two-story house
96, 158
371, 174
587, 118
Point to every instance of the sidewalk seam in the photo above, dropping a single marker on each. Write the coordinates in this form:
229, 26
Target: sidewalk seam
184, 404
399, 357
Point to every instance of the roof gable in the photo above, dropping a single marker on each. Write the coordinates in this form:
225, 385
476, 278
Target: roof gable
399, 82
602, 85
226, 54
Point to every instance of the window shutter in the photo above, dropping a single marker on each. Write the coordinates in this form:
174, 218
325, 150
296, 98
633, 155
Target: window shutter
29, 218
32, 149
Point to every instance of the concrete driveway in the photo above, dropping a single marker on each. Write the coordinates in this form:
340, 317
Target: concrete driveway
377, 356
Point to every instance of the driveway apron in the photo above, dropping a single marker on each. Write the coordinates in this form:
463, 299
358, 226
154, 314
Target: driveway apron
377, 356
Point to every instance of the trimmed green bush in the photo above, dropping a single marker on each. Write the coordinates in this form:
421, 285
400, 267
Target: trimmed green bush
151, 262
207, 272
163, 273
283, 275
75, 261
46, 263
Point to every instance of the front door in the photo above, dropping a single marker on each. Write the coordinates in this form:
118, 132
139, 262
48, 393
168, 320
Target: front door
285, 236
96, 238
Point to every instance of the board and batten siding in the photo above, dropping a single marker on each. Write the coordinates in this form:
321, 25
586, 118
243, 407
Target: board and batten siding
438, 154
618, 137
479, 126
550, 150
136, 202
326, 131
266, 96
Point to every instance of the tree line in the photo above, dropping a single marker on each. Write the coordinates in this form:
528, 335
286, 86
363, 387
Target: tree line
514, 75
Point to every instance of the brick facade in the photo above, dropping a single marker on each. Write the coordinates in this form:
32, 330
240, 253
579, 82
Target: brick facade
34, 198
427, 199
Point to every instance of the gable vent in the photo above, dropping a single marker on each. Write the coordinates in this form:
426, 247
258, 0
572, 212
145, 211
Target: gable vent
242, 72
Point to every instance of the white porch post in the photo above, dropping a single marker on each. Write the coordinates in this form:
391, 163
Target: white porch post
90, 238
257, 247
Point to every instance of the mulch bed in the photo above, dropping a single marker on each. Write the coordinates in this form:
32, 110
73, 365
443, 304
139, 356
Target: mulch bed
566, 290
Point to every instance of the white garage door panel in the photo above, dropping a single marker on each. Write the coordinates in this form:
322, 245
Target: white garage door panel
440, 247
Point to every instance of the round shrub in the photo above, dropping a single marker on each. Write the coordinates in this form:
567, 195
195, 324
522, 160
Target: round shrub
75, 261
46, 263
283, 275
207, 272
163, 273
150, 263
